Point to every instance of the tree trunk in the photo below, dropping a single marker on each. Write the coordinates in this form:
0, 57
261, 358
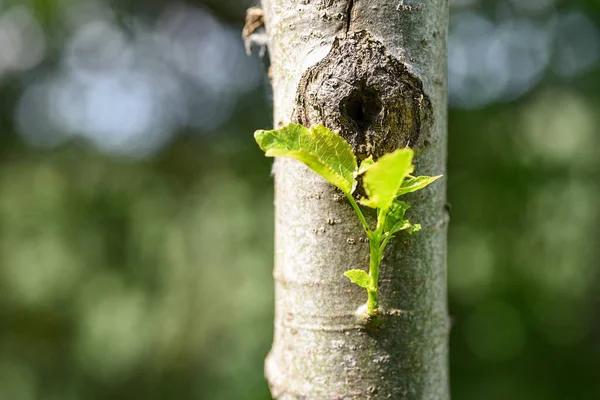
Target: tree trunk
375, 72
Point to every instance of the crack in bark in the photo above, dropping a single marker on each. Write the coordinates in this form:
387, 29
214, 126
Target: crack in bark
322, 328
349, 10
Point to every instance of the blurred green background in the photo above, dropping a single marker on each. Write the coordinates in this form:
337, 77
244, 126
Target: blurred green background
136, 211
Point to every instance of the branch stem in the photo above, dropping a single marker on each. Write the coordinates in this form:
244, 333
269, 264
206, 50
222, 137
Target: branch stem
358, 212
375, 261
375, 253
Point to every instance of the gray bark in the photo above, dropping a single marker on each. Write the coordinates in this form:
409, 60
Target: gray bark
374, 71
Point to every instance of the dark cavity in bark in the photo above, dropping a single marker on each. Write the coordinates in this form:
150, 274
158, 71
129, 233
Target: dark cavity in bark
370, 97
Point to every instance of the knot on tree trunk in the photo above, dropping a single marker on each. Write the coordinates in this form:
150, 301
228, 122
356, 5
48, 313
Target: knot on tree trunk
367, 95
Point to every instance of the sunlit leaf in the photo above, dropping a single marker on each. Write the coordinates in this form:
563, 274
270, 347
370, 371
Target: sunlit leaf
383, 179
323, 151
414, 184
365, 165
360, 277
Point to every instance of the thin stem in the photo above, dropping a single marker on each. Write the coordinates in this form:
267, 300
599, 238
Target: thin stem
358, 212
375, 261
375, 253
384, 243
381, 217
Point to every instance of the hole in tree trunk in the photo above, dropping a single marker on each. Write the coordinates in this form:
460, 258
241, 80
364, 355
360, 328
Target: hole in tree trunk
362, 107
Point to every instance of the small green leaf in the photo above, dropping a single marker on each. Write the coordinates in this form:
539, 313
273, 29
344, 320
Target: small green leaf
365, 165
414, 184
395, 221
383, 179
414, 228
360, 277
323, 151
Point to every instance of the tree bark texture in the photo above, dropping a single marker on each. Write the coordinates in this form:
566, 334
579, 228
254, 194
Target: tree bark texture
375, 72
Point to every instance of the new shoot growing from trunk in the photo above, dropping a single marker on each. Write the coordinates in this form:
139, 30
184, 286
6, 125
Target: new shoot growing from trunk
384, 181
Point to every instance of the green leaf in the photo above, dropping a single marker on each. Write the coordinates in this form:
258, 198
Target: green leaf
323, 151
383, 179
395, 221
414, 184
414, 228
360, 277
365, 165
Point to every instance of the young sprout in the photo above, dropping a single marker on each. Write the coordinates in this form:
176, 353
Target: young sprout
384, 181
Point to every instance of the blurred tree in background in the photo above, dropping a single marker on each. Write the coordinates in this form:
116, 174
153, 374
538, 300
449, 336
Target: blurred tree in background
136, 211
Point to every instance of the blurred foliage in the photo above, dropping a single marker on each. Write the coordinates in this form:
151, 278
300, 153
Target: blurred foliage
134, 280
136, 214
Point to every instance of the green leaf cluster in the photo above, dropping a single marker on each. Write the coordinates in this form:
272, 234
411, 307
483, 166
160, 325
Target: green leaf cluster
384, 180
